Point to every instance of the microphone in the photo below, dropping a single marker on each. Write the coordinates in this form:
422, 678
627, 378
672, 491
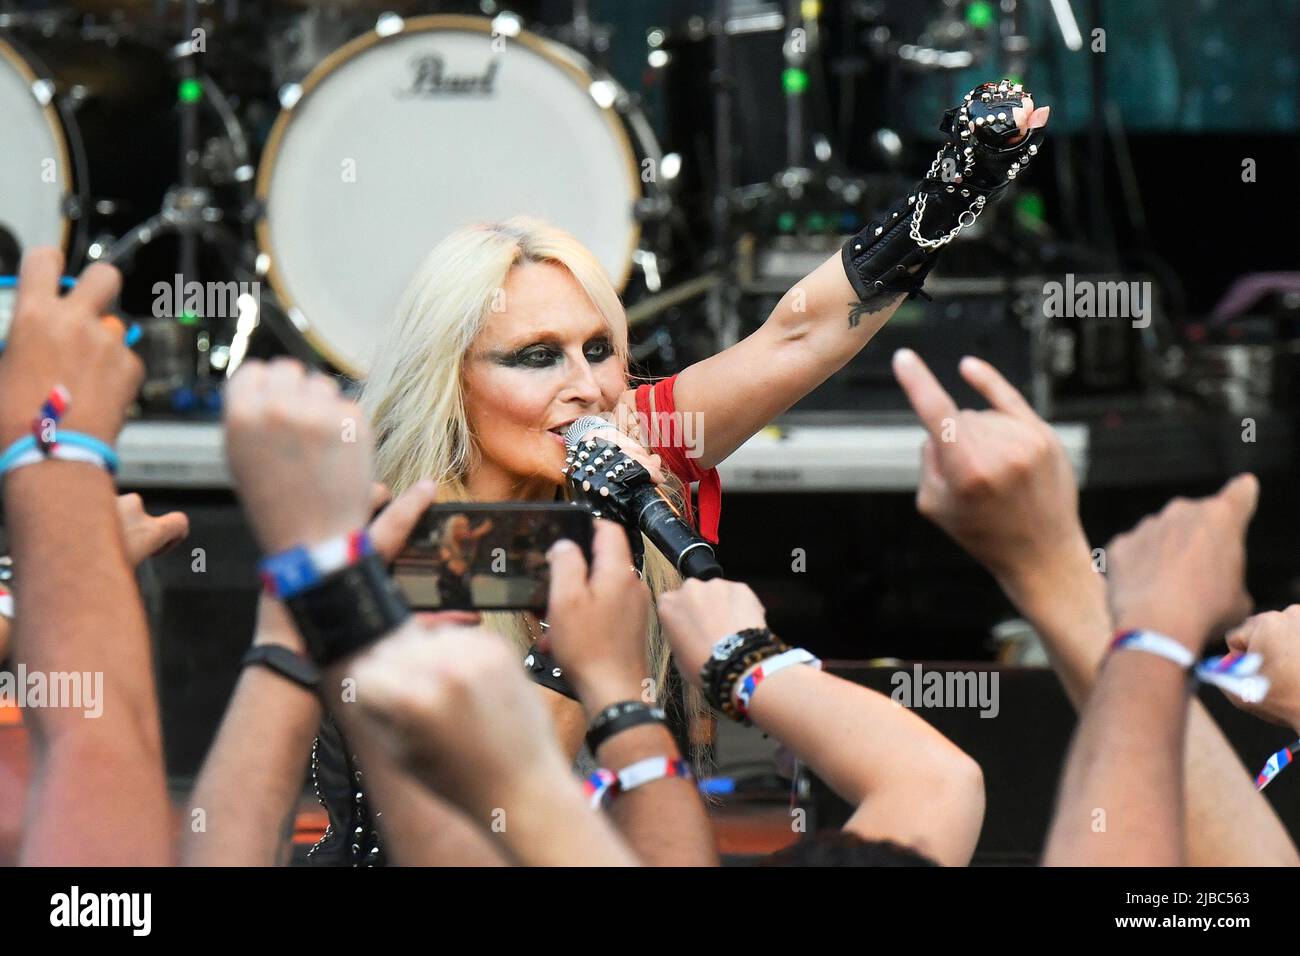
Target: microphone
602, 470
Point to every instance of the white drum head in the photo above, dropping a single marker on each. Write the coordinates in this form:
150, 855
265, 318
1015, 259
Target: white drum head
33, 159
397, 142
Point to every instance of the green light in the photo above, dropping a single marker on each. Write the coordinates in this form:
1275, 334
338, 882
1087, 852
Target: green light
816, 222
794, 80
980, 14
1015, 78
187, 317
785, 221
1030, 208
190, 90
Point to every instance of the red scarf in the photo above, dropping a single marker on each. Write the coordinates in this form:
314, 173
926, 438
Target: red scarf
654, 404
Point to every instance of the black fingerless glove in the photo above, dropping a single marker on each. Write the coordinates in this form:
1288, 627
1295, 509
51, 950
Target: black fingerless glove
894, 253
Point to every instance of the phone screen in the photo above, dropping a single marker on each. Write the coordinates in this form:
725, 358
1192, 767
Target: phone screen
487, 557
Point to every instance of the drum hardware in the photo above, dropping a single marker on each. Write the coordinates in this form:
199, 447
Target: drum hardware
590, 39
154, 20
83, 108
302, 35
941, 44
186, 209
652, 306
181, 355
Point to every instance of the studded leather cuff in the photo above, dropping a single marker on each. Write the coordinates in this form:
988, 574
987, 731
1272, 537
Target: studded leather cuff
896, 251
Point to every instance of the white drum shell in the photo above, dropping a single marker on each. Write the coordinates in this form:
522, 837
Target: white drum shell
365, 174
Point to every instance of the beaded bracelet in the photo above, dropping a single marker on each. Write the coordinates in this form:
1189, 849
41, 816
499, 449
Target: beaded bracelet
731, 657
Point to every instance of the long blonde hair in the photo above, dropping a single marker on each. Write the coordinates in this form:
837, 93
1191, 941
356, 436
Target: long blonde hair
414, 393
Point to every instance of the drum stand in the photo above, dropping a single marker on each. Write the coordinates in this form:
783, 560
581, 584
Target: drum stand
722, 311
188, 208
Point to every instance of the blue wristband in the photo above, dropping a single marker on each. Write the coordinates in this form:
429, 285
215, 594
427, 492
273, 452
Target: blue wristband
16, 451
90, 443
20, 452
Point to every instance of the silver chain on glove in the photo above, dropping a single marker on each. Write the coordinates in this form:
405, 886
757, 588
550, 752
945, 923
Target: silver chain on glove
966, 154
918, 211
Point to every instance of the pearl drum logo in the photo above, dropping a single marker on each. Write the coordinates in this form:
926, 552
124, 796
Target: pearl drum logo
429, 77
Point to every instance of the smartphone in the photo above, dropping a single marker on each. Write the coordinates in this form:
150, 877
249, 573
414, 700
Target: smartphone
471, 556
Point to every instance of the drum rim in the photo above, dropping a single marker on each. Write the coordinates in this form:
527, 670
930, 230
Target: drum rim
21, 64
570, 61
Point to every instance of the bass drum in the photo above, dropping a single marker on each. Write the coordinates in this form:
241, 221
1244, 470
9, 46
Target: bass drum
417, 128
89, 142
35, 164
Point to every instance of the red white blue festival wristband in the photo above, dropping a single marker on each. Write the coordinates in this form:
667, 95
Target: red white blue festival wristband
44, 427
46, 441
291, 572
1276, 764
597, 785
1238, 674
603, 785
749, 681
649, 770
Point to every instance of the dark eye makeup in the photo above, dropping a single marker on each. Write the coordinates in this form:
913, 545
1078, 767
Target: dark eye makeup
542, 355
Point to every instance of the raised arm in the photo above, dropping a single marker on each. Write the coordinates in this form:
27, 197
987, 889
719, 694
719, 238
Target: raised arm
245, 796
909, 783
830, 314
251, 778
598, 627
144, 534
80, 609
1179, 577
1004, 490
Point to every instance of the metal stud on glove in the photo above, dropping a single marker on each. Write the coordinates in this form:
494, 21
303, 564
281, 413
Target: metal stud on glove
894, 254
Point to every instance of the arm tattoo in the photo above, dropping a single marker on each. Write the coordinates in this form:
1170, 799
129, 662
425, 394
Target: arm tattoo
857, 310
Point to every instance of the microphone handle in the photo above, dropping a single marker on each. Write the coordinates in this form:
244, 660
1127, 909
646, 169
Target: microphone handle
659, 521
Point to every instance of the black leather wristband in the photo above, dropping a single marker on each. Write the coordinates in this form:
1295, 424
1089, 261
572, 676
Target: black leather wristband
284, 662
348, 611
617, 718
